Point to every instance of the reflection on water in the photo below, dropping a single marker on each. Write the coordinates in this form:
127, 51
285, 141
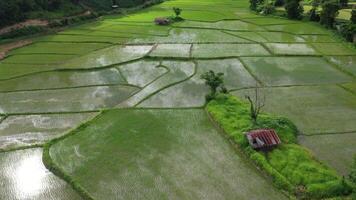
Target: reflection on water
23, 176
28, 176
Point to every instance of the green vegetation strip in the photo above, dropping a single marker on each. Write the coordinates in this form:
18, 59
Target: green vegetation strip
292, 167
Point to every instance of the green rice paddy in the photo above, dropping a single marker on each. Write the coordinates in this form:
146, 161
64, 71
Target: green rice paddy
166, 148
158, 154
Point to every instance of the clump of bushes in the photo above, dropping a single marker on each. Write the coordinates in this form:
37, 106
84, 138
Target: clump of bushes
294, 9
291, 166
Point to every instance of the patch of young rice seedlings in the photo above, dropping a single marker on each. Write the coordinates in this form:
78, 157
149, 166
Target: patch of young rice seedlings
109, 56
287, 71
155, 152
331, 146
227, 50
291, 49
235, 25
347, 63
191, 93
142, 72
181, 35
299, 28
281, 37
63, 79
314, 109
179, 71
334, 49
25, 130
58, 48
172, 50
65, 100
37, 59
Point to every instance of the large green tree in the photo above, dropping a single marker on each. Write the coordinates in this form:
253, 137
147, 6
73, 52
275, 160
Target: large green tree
330, 10
294, 9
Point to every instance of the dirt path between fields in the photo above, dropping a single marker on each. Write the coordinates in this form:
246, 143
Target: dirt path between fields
5, 48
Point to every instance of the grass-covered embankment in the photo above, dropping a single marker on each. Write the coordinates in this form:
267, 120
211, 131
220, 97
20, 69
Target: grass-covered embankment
292, 167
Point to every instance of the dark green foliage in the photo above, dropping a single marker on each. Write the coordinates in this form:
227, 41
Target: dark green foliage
353, 16
279, 3
343, 3
215, 81
348, 30
13, 11
292, 167
254, 4
329, 12
313, 15
266, 8
294, 9
177, 11
352, 175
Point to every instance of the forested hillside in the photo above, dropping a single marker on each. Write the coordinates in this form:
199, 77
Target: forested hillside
12, 11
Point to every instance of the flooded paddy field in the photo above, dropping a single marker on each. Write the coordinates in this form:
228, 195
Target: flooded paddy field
154, 154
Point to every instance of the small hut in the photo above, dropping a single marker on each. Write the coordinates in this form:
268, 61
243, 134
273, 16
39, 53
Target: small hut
162, 21
263, 139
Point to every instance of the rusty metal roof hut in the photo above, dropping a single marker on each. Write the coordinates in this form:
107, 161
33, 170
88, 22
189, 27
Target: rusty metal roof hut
263, 139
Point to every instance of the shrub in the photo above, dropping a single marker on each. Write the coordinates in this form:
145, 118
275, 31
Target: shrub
294, 9
329, 12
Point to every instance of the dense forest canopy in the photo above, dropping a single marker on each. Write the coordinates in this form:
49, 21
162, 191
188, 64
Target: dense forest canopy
12, 11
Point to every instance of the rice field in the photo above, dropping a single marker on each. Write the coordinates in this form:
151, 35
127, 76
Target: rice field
153, 140
172, 153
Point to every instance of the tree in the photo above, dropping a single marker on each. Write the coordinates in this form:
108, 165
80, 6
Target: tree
256, 104
353, 16
177, 12
215, 81
254, 4
330, 10
294, 9
313, 15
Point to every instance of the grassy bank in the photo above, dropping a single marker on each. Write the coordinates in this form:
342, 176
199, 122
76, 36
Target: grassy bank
292, 167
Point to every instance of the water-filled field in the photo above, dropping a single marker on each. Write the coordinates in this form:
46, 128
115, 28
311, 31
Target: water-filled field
23, 176
62, 80
158, 154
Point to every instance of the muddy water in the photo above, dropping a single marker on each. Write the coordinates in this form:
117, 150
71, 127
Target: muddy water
23, 176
